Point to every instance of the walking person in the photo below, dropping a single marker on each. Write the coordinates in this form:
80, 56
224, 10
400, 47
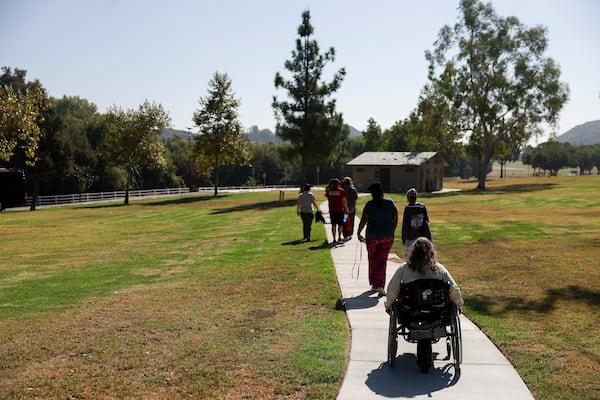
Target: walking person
415, 221
306, 201
351, 196
380, 216
338, 205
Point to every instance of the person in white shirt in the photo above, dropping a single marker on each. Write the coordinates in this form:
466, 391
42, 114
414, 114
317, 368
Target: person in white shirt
421, 264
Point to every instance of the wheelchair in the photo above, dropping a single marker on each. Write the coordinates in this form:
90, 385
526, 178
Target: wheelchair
423, 314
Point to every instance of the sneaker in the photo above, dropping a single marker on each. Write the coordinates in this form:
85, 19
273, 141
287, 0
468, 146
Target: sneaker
380, 291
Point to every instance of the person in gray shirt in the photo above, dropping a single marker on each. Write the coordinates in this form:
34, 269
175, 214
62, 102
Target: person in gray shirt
306, 201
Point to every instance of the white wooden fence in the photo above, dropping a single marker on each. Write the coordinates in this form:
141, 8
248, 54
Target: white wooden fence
103, 196
139, 194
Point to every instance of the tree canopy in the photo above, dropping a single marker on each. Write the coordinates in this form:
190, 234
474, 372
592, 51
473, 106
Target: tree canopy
309, 120
221, 140
132, 138
491, 75
21, 107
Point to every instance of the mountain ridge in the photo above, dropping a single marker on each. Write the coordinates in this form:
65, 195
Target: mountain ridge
587, 133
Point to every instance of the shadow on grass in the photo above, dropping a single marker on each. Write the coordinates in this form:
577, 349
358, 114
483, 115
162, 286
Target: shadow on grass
255, 206
294, 242
154, 203
494, 306
321, 246
508, 189
184, 200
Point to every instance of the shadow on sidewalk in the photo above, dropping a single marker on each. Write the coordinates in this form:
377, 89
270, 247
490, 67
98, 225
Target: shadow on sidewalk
366, 299
407, 381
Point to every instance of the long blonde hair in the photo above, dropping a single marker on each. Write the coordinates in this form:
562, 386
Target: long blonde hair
422, 255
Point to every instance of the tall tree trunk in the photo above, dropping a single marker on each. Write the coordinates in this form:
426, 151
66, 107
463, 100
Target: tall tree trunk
216, 174
483, 168
127, 186
35, 188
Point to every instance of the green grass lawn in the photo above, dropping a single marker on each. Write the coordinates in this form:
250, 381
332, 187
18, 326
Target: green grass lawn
196, 297
216, 297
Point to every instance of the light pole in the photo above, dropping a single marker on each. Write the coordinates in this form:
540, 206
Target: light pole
318, 175
190, 158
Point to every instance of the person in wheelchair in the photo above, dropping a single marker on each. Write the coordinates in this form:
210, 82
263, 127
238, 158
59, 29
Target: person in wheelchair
421, 264
423, 302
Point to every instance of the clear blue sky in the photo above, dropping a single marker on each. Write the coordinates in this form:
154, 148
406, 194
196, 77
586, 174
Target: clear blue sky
122, 52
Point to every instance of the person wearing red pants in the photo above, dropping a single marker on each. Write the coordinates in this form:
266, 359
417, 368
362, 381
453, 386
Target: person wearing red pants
380, 216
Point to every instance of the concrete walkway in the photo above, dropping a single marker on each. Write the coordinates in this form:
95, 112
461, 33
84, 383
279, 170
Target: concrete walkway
485, 373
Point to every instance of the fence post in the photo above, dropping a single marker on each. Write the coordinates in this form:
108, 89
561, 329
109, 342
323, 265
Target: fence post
281, 196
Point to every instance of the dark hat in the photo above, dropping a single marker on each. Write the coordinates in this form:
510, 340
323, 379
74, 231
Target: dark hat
412, 192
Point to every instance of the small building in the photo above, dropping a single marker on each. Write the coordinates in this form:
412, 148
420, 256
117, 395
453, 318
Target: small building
399, 171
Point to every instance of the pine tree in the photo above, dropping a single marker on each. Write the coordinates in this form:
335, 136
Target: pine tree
309, 121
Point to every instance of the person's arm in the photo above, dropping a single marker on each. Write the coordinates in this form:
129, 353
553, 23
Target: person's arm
454, 294
345, 202
393, 289
404, 226
363, 221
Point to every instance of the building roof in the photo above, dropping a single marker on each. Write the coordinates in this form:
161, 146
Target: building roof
393, 158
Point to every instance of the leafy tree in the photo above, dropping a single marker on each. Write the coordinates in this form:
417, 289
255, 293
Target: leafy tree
132, 139
309, 121
181, 158
397, 137
492, 73
585, 158
71, 156
21, 106
266, 162
221, 141
506, 153
596, 157
551, 156
431, 128
373, 136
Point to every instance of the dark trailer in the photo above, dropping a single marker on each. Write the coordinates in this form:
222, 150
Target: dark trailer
13, 189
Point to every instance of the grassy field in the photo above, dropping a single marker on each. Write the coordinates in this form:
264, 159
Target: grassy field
204, 297
197, 297
525, 253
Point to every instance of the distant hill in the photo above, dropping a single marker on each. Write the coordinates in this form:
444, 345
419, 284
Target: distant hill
354, 132
584, 134
253, 133
257, 135
168, 134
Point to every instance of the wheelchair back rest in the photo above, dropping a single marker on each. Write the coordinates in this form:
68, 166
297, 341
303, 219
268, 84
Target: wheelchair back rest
424, 295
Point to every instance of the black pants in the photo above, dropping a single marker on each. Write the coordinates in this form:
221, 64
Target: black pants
307, 219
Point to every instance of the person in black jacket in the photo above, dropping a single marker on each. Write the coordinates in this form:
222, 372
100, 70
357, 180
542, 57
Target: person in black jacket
415, 221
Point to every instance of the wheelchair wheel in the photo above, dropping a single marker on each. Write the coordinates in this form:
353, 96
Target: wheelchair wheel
392, 338
456, 341
424, 355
